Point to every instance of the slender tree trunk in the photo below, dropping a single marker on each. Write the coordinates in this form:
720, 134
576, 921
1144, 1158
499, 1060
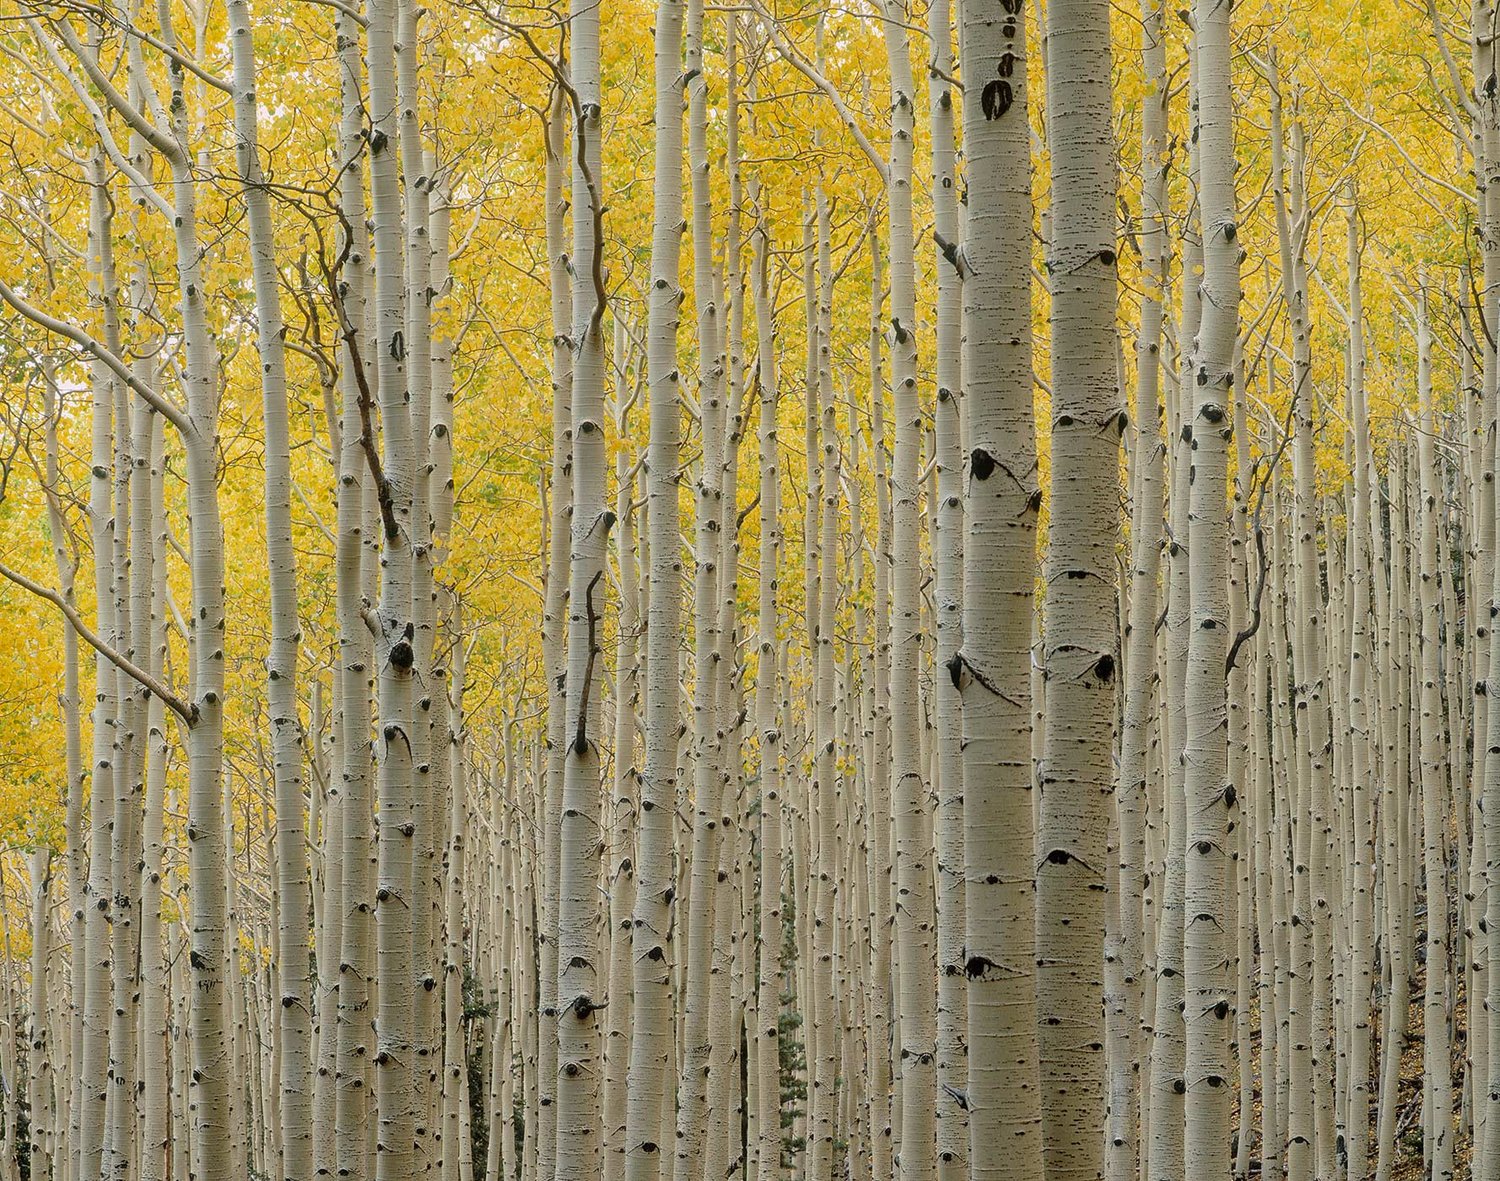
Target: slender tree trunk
356, 652
1207, 958
1438, 1084
768, 1080
947, 543
395, 651
1139, 642
293, 965
579, 1049
649, 1079
91, 1092
622, 822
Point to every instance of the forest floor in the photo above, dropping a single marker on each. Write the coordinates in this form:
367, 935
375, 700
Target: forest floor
1408, 1163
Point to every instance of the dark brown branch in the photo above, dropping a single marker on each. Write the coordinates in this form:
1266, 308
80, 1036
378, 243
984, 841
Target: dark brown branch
366, 397
581, 740
746, 511
1248, 632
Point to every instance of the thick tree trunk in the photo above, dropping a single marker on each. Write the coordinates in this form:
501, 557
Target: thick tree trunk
1076, 774
1001, 501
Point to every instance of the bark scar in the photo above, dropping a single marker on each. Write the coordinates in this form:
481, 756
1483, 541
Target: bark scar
960, 661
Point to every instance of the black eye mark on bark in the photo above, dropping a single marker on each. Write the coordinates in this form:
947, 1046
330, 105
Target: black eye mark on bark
996, 99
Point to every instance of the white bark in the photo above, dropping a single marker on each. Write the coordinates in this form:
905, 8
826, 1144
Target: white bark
293, 965
1076, 773
768, 1078
579, 1049
651, 1070
1435, 1044
1208, 997
952, 1012
1000, 513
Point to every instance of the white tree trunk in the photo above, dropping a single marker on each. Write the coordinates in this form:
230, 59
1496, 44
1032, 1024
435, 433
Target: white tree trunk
1000, 513
1076, 772
293, 965
1207, 956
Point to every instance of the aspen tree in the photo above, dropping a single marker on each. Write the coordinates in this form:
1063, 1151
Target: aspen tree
501, 1161
1487, 767
810, 908
395, 651
868, 937
1132, 787
1240, 757
650, 1075
823, 801
948, 450
1288, 825
702, 892
1478, 644
724, 1072
236, 1035
356, 652
327, 894
1359, 687
560, 488
110, 378
1169, 1049
1387, 580
1206, 955
294, 1003
90, 1093
1139, 640
1265, 822
1486, 835
133, 614
71, 707
578, 1051
622, 801
917, 1018
1325, 659
132, 567
426, 820
450, 737
1079, 642
39, 872
768, 976
1001, 500
1436, 1056
876, 869
878, 805
1396, 936
1305, 644
448, 764
50, 1035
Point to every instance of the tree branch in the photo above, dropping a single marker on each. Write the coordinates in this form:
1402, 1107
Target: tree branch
810, 72
96, 348
186, 711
